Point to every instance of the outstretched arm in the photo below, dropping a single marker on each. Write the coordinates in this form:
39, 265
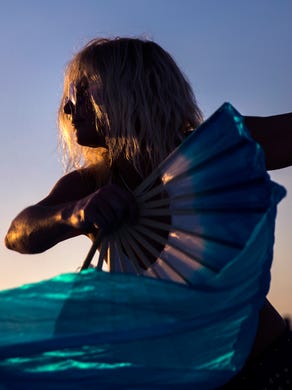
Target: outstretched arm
38, 228
274, 134
72, 208
44, 224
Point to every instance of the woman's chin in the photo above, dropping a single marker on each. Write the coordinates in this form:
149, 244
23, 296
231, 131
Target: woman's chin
90, 143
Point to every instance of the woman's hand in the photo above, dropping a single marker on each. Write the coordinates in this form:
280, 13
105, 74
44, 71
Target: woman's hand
105, 209
274, 134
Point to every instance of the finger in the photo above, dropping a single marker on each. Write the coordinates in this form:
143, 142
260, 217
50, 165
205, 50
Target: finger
101, 215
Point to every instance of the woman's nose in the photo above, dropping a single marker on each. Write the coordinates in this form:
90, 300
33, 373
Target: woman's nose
69, 108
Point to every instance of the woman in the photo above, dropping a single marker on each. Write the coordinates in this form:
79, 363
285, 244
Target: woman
105, 118
125, 107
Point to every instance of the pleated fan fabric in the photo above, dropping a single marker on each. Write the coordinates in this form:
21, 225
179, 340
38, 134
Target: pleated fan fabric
189, 320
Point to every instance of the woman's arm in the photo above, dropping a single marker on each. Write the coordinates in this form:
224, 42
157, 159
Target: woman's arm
72, 208
274, 134
39, 227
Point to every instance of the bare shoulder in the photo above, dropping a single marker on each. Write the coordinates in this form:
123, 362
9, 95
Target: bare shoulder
75, 185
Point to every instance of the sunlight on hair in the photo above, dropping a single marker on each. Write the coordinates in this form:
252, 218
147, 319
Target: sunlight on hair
144, 104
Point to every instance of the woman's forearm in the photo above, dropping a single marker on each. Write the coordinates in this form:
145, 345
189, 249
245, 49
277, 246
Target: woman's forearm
274, 134
38, 228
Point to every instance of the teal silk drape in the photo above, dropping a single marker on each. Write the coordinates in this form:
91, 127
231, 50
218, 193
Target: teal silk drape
99, 330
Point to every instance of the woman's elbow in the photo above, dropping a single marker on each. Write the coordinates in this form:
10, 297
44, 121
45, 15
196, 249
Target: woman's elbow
17, 240
12, 242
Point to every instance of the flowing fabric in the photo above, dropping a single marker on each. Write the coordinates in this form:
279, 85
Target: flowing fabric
101, 330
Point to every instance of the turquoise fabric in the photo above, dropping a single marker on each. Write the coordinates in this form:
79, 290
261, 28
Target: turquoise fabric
98, 330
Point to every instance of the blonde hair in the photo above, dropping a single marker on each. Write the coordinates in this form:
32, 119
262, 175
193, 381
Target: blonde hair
147, 103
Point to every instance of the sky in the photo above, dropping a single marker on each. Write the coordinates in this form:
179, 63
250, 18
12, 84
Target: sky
236, 51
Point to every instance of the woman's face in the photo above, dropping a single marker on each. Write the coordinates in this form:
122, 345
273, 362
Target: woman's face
82, 115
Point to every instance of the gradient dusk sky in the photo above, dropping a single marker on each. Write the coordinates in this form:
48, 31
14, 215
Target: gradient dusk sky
230, 50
